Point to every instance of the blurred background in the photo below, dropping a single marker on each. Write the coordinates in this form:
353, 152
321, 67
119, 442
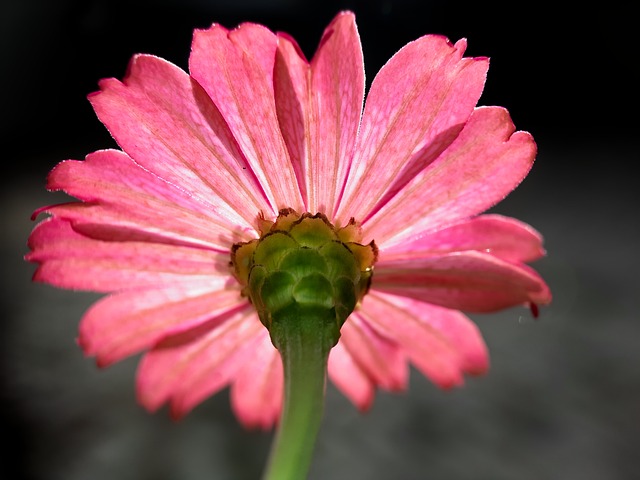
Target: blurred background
562, 400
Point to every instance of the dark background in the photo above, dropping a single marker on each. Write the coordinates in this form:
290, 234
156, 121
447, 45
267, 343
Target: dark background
562, 400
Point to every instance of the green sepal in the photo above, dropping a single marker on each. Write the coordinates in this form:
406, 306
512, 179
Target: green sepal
303, 264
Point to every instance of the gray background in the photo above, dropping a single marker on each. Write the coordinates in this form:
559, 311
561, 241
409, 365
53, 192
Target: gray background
562, 399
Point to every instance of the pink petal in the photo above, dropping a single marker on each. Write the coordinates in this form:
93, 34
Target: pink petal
122, 324
131, 194
349, 377
236, 70
319, 108
503, 237
256, 393
378, 356
186, 368
125, 201
417, 105
296, 115
469, 281
428, 348
71, 260
485, 162
168, 124
116, 223
446, 326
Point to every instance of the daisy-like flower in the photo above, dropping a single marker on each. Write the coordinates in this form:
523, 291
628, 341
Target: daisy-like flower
258, 153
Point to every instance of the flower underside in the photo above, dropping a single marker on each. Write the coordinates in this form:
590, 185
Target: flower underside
253, 125
302, 265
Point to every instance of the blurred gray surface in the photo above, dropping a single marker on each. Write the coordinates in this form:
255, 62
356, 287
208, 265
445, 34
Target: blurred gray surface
561, 401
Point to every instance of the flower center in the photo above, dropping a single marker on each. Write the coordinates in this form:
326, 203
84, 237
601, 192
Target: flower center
303, 265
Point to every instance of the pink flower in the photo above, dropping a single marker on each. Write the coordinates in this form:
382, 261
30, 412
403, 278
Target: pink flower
255, 128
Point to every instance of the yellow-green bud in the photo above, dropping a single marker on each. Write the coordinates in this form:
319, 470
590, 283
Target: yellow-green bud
302, 265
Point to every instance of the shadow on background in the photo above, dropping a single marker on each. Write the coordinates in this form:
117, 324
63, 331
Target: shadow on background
561, 400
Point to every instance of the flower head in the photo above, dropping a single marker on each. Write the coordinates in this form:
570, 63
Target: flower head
210, 158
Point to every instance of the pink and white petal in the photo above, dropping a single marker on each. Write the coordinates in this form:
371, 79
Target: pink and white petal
337, 82
251, 40
319, 108
236, 70
350, 379
380, 357
469, 281
111, 223
296, 115
416, 107
69, 259
503, 237
143, 222
256, 393
125, 323
485, 162
167, 124
187, 367
111, 177
458, 330
427, 347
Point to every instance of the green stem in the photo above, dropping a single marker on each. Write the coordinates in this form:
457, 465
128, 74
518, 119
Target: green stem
304, 345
